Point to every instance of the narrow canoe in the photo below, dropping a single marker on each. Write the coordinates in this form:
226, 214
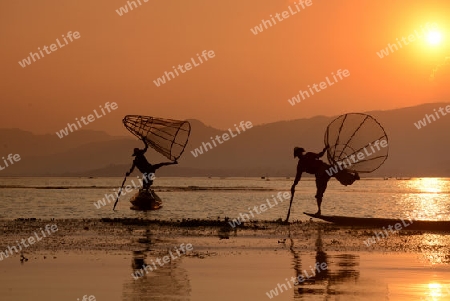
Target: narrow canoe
384, 222
145, 200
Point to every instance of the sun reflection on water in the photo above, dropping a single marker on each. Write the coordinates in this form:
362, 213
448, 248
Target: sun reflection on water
427, 197
429, 185
436, 292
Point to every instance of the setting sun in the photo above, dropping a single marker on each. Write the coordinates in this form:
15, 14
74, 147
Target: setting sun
434, 37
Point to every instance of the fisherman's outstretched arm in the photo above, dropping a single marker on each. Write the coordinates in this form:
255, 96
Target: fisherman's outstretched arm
146, 145
319, 155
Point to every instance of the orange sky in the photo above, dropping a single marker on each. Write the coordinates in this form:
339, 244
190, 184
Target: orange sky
250, 78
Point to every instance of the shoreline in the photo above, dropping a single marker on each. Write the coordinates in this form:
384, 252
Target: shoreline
127, 234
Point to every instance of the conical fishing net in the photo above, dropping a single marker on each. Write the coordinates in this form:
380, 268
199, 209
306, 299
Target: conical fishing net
357, 142
168, 137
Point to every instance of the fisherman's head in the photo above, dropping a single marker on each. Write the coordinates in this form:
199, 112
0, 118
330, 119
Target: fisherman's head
298, 151
136, 152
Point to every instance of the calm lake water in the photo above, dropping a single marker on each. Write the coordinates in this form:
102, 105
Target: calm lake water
419, 198
248, 265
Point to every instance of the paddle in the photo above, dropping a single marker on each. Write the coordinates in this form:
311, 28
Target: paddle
290, 204
120, 191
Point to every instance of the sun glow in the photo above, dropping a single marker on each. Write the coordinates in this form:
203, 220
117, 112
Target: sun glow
434, 37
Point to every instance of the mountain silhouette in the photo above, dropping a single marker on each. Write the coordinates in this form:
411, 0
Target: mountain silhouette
263, 150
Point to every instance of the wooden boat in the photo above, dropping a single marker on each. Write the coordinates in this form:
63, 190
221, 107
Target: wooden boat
145, 200
384, 222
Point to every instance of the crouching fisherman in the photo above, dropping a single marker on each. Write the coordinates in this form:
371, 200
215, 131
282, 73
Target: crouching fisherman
311, 163
148, 170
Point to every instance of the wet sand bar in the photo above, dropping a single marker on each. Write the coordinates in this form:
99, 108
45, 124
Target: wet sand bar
97, 258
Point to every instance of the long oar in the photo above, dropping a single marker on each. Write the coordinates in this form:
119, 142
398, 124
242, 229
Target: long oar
290, 204
120, 191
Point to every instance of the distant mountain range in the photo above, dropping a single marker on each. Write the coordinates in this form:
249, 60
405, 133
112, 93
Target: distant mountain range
264, 150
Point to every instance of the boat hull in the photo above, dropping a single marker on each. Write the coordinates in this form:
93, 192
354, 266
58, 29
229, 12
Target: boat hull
145, 200
384, 222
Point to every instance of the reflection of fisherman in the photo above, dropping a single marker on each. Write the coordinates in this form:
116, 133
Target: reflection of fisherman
145, 167
321, 257
311, 163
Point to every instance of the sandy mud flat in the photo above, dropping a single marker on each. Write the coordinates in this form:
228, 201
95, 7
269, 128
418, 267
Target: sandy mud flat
258, 261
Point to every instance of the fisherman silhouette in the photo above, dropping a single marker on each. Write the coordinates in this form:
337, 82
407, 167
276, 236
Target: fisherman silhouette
145, 167
311, 163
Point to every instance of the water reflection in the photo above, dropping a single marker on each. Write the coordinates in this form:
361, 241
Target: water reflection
435, 248
167, 282
225, 231
341, 269
427, 185
436, 292
427, 198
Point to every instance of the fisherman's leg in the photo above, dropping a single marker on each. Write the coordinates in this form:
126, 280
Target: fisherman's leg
319, 203
319, 195
146, 183
155, 197
321, 185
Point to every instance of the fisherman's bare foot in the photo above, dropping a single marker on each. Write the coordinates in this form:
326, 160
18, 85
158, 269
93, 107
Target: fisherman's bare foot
318, 213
